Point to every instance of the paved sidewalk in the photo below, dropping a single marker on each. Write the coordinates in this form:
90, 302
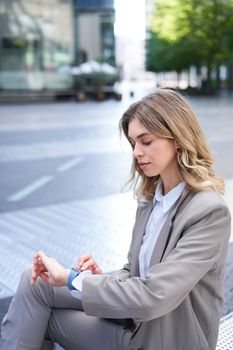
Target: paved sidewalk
101, 226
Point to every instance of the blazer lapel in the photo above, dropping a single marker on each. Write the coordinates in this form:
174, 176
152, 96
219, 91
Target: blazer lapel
174, 237
161, 242
166, 231
140, 230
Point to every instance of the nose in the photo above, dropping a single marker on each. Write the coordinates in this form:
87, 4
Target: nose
137, 151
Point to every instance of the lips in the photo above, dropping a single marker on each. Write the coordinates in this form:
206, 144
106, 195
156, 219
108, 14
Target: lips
143, 165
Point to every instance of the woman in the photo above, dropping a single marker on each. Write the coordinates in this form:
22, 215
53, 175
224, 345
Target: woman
170, 293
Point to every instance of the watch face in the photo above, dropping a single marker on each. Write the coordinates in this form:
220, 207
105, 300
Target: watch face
77, 282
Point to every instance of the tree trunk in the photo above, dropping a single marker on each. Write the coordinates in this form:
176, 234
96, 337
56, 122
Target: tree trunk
188, 78
177, 79
198, 77
230, 76
208, 82
218, 81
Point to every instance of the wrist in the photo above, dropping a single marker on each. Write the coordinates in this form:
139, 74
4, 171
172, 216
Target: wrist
66, 275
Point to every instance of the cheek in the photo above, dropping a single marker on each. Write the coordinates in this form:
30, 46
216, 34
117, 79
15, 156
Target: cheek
166, 151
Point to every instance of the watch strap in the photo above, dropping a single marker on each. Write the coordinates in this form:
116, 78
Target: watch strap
72, 275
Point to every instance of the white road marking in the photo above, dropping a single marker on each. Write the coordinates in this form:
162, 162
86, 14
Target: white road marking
26, 191
67, 166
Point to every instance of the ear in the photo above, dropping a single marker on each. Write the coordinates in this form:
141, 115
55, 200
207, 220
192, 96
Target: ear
177, 145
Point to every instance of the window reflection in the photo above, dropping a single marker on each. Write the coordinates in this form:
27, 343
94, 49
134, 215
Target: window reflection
36, 44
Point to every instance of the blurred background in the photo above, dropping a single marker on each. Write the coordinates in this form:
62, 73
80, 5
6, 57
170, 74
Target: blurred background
68, 70
59, 48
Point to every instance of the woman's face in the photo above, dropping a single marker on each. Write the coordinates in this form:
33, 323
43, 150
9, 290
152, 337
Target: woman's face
155, 155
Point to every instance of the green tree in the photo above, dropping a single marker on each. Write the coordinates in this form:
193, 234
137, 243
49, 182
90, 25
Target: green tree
199, 32
163, 55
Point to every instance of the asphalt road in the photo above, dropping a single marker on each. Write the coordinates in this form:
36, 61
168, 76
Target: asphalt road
70, 151
73, 149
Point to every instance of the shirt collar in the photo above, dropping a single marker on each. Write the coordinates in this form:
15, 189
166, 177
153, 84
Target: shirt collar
170, 198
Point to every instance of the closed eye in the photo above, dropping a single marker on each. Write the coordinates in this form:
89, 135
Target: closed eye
146, 143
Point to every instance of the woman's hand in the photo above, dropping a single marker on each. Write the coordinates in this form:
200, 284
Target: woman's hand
49, 270
86, 262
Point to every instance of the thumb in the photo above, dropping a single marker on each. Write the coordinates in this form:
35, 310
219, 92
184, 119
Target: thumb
42, 257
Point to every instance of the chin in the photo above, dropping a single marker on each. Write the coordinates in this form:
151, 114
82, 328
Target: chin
150, 174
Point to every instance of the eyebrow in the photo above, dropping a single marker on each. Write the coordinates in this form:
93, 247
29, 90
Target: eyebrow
140, 135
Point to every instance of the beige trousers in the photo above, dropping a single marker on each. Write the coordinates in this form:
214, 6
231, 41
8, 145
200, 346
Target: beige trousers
42, 315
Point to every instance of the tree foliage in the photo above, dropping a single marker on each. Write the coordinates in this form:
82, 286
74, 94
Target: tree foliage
190, 32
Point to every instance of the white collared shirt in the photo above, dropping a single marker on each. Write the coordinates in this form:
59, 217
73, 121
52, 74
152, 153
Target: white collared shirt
162, 207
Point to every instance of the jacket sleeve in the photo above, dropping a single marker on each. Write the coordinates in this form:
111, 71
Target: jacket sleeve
124, 273
202, 241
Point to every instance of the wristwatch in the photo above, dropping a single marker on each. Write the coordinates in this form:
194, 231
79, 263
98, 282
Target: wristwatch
73, 274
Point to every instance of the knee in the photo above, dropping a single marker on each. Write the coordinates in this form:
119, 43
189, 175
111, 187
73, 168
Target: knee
25, 279
41, 289
24, 284
27, 272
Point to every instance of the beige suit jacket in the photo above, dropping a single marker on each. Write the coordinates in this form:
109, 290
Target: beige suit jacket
178, 305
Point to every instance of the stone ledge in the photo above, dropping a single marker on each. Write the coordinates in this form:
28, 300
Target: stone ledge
4, 304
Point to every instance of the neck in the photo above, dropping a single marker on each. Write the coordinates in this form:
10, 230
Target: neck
169, 184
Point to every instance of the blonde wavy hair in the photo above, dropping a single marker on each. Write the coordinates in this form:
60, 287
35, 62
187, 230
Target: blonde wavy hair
166, 113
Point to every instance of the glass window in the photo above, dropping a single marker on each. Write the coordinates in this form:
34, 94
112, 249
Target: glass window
36, 44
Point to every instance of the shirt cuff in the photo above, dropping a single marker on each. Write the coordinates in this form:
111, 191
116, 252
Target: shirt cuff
76, 294
77, 282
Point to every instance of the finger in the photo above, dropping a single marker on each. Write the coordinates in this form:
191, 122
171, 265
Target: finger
44, 277
34, 276
40, 256
39, 262
34, 273
36, 258
89, 264
35, 263
83, 259
34, 270
42, 259
97, 270
38, 267
33, 281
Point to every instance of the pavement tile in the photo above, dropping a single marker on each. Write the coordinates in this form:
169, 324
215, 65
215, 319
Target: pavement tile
101, 226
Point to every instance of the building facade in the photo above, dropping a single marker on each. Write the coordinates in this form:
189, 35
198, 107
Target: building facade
40, 40
36, 44
94, 30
